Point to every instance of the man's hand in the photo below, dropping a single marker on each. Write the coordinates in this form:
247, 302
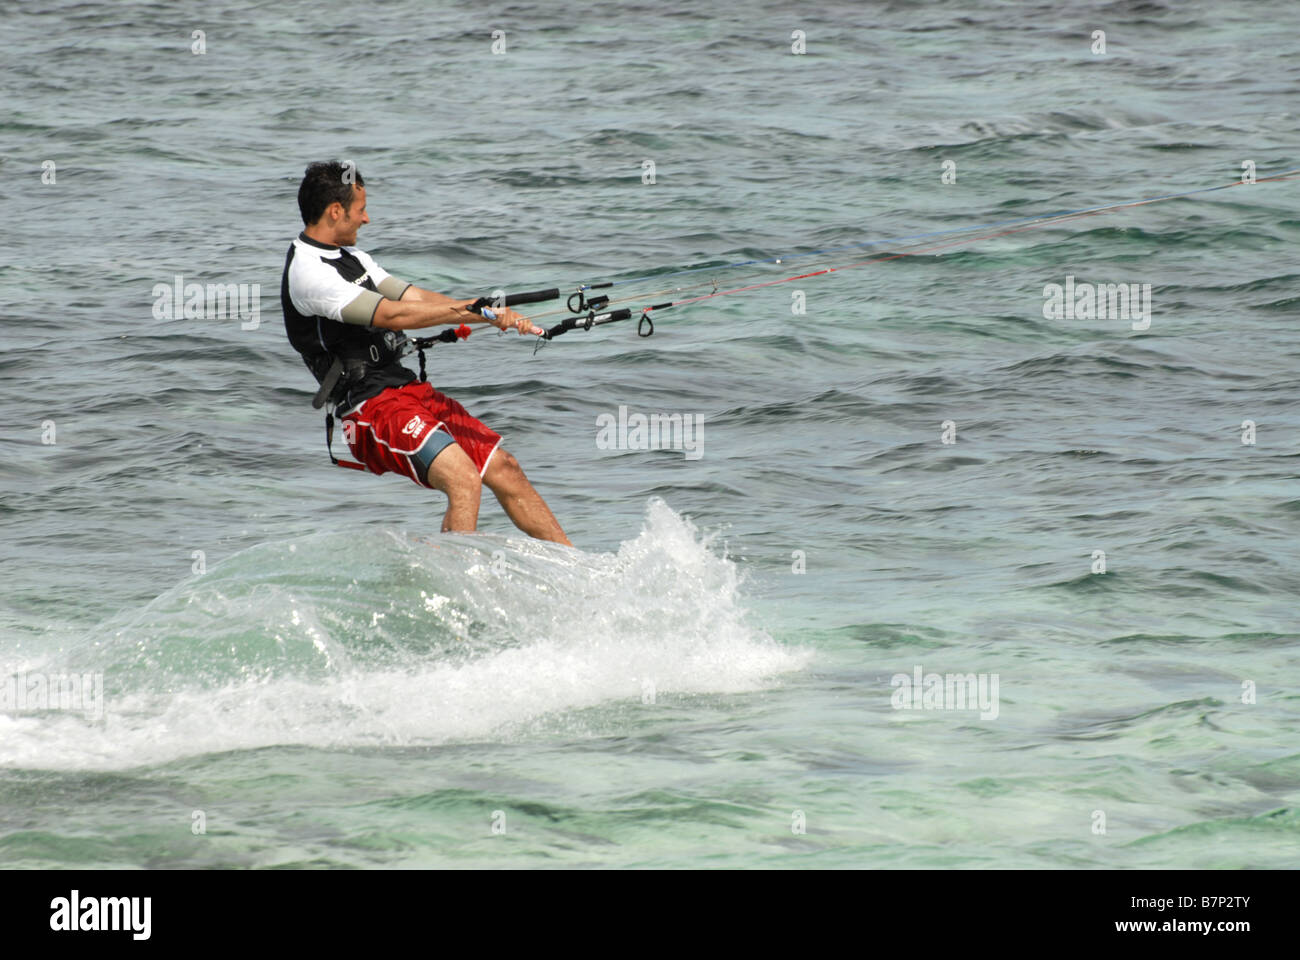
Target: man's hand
507, 319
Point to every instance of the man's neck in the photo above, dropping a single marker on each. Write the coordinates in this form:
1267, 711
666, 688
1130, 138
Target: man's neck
320, 235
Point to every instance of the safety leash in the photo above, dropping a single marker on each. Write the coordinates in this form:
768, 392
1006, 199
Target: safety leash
329, 446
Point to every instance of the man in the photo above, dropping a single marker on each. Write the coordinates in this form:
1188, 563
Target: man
342, 311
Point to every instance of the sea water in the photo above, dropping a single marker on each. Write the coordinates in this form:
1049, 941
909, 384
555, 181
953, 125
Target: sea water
949, 581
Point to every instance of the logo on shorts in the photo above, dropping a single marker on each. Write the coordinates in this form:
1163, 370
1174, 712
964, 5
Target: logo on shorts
413, 426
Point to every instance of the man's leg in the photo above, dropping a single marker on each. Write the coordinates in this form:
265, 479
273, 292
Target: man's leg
454, 473
524, 505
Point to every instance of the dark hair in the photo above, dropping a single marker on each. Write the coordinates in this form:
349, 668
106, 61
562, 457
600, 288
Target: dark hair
322, 184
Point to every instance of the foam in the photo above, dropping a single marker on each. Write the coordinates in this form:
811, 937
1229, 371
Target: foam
557, 630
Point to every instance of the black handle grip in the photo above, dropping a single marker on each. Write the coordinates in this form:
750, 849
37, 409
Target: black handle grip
532, 296
587, 322
564, 326
515, 299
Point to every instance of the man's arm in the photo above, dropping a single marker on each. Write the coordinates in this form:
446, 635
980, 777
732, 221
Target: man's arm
425, 308
428, 296
413, 311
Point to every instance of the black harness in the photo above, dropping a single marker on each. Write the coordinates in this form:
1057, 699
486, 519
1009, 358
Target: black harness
352, 362
354, 365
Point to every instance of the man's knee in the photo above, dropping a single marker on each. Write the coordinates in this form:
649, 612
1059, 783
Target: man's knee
505, 461
504, 471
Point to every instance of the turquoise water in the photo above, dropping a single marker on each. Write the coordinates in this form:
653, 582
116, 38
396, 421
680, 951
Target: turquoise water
334, 683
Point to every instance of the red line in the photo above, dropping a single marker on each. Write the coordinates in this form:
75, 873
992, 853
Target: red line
944, 246
896, 256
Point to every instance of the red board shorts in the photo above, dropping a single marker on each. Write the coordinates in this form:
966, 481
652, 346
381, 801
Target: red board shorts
404, 428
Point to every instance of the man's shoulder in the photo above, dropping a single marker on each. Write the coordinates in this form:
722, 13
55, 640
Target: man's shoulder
302, 259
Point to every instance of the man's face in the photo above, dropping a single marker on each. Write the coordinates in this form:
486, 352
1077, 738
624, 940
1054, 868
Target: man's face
345, 231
